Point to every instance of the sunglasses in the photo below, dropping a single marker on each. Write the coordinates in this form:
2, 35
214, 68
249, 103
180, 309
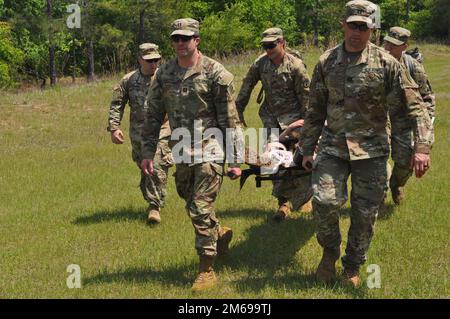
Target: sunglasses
269, 46
361, 27
183, 38
152, 60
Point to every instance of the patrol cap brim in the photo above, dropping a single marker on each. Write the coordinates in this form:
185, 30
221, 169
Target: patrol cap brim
270, 39
188, 33
151, 56
393, 40
367, 20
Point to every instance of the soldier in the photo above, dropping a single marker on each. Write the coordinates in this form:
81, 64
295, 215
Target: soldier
286, 86
133, 89
402, 142
196, 93
352, 88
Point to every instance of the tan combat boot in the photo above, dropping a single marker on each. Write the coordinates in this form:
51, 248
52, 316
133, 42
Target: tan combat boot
283, 211
225, 235
307, 207
398, 195
206, 279
351, 277
326, 270
153, 216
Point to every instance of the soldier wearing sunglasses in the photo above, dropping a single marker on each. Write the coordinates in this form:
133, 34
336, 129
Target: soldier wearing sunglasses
132, 89
285, 83
352, 89
196, 93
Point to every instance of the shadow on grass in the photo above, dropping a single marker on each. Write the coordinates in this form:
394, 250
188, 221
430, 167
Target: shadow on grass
303, 282
270, 245
178, 276
118, 215
248, 213
267, 254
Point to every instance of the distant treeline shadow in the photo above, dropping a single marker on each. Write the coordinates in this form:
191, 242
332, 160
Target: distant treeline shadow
116, 215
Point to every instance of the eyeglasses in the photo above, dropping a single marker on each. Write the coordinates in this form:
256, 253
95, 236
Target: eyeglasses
184, 38
390, 44
152, 60
361, 27
269, 46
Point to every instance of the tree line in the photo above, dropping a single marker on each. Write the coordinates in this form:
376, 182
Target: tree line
43, 40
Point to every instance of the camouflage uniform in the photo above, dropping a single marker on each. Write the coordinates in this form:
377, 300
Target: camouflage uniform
286, 89
203, 92
133, 89
402, 141
353, 97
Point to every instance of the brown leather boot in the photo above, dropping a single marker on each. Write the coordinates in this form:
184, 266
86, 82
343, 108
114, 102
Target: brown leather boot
206, 278
283, 211
351, 276
223, 242
326, 270
307, 207
153, 215
398, 195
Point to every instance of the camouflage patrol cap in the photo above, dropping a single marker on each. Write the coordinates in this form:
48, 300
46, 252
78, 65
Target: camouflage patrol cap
398, 35
186, 26
149, 51
271, 35
361, 11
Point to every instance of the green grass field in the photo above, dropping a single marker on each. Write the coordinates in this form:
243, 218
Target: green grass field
69, 196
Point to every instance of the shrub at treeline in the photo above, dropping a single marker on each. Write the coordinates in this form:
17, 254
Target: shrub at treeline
35, 42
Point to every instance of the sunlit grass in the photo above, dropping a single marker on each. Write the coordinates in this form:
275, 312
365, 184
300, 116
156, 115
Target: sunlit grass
68, 196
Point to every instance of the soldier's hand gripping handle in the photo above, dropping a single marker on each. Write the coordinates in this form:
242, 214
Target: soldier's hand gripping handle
234, 173
307, 163
147, 166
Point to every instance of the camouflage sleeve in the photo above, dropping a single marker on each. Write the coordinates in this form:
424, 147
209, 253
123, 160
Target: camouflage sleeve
316, 114
404, 88
226, 111
117, 106
245, 92
425, 89
302, 84
154, 119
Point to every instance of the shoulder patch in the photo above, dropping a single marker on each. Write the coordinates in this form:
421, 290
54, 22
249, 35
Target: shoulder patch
297, 62
129, 75
125, 80
262, 56
225, 78
329, 57
406, 81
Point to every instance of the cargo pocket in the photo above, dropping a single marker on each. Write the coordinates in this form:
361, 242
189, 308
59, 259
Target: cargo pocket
218, 168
